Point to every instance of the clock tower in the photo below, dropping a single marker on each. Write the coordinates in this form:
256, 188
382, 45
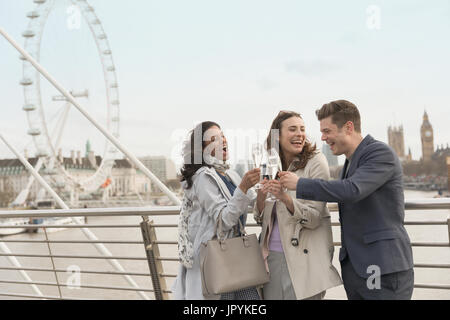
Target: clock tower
426, 134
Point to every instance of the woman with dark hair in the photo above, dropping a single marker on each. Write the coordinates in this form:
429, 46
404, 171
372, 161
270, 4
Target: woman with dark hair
210, 188
296, 237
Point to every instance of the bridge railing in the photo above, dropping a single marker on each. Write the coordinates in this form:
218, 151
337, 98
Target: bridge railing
149, 242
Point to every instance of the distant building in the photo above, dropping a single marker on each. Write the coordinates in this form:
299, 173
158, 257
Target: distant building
426, 134
125, 179
409, 156
162, 167
331, 158
396, 141
448, 173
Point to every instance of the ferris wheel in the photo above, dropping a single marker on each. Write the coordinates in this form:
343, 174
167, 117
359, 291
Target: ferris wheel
45, 142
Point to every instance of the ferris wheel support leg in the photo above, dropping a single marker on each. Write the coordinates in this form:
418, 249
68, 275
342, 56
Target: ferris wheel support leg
23, 195
89, 234
103, 130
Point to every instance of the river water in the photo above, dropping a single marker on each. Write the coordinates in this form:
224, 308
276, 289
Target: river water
416, 233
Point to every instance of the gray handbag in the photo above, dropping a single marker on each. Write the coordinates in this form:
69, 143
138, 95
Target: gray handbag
231, 264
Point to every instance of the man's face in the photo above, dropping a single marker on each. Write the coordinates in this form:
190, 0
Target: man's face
335, 137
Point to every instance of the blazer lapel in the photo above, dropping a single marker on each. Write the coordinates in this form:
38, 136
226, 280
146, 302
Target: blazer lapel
344, 169
357, 154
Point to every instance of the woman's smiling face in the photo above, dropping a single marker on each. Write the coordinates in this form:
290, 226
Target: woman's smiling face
292, 136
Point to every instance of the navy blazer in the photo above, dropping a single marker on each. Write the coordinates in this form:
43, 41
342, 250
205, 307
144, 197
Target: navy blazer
371, 208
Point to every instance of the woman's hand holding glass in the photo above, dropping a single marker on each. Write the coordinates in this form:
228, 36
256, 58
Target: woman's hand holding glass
264, 189
257, 154
262, 194
250, 179
276, 189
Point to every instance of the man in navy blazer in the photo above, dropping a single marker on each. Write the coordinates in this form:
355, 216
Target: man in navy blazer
376, 255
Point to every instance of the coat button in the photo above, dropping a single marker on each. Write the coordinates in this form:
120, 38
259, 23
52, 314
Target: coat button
305, 251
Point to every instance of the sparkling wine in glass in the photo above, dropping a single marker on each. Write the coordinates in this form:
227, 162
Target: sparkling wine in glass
273, 161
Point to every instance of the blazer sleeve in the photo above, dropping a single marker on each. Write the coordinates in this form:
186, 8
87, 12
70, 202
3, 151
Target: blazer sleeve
309, 213
213, 202
376, 168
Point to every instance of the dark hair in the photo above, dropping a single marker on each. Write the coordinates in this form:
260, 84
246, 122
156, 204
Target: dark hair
341, 111
191, 165
308, 149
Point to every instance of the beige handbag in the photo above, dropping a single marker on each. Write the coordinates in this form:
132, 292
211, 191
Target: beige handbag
231, 264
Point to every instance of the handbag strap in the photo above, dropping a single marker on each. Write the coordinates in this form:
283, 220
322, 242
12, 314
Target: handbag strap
219, 228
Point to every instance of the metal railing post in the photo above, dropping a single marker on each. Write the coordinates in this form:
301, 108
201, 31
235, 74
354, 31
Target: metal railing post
448, 226
155, 265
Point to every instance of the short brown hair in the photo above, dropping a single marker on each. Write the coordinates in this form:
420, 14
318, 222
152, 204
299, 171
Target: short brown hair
340, 111
309, 150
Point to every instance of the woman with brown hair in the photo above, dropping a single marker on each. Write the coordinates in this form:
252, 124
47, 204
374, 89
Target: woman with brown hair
296, 237
212, 191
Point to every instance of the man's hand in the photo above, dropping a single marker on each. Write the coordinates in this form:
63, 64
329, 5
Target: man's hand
288, 180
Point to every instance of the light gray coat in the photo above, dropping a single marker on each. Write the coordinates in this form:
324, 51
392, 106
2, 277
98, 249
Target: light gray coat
210, 196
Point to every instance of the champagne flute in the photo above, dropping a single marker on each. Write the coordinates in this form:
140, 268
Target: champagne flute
273, 161
257, 153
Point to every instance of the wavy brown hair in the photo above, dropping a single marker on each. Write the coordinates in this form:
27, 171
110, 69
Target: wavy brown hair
309, 150
191, 167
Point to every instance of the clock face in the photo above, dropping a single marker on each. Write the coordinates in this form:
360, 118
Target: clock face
428, 133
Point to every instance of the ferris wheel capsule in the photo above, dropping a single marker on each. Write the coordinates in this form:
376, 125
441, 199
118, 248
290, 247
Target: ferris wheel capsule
29, 107
28, 34
33, 15
26, 82
34, 132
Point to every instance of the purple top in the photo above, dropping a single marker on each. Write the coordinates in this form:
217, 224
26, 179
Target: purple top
275, 239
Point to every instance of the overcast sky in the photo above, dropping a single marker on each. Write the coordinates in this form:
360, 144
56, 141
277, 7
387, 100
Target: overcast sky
238, 63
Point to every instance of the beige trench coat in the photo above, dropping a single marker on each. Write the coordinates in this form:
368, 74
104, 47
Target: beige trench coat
310, 263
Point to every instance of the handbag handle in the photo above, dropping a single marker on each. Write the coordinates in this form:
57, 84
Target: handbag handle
219, 228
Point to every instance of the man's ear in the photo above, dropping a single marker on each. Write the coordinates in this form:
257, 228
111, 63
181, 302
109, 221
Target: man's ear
349, 127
